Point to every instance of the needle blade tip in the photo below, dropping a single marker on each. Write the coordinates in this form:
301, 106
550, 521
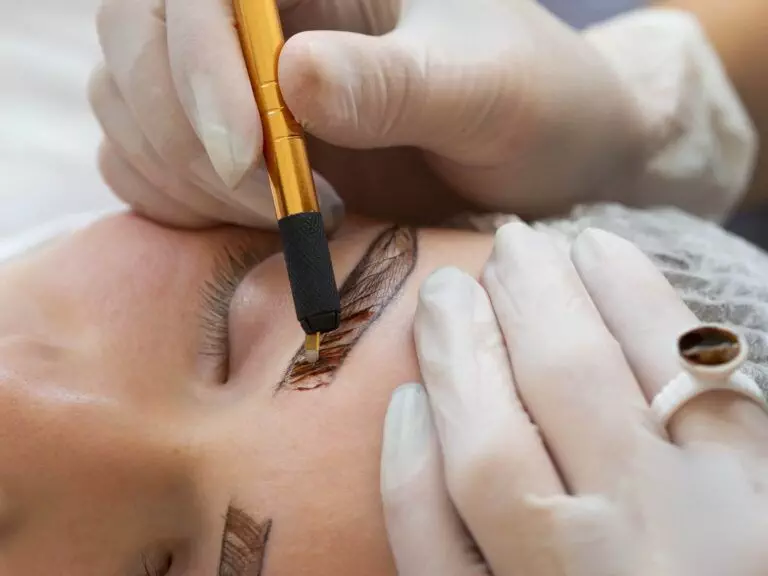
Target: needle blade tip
312, 348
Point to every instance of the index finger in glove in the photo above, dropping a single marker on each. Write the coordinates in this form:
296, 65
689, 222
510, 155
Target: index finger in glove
494, 457
425, 532
181, 79
163, 189
213, 85
138, 39
569, 369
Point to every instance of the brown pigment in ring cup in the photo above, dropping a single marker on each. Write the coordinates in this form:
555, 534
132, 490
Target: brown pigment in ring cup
709, 346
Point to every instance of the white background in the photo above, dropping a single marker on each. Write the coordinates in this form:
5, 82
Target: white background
48, 138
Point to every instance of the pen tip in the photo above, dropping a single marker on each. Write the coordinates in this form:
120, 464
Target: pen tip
312, 348
312, 356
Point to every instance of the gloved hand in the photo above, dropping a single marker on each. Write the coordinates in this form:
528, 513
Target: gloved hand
504, 103
533, 437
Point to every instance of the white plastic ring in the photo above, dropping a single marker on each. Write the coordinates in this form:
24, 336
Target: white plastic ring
710, 356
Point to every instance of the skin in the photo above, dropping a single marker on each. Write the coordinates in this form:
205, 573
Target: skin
121, 442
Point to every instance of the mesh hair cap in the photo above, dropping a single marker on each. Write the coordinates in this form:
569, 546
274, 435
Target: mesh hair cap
721, 277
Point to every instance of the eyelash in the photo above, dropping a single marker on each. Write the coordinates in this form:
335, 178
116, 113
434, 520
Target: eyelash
217, 293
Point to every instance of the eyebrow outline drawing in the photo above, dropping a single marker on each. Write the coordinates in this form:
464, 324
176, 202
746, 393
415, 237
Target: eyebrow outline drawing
375, 282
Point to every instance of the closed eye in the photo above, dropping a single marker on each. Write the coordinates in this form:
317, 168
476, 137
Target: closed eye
371, 287
230, 268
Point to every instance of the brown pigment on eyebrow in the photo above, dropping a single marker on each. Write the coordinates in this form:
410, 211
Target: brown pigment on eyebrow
376, 280
245, 540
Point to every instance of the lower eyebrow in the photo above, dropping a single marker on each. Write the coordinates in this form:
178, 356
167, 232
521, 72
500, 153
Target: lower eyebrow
371, 287
243, 544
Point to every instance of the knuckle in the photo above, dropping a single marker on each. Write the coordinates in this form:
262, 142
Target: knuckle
477, 467
104, 154
98, 89
109, 12
576, 360
107, 163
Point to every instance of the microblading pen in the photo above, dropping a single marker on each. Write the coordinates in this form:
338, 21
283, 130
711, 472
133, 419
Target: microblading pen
305, 246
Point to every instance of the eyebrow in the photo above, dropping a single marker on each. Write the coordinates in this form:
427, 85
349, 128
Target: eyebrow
243, 545
371, 287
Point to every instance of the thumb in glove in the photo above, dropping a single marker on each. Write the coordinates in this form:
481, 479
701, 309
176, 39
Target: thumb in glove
515, 110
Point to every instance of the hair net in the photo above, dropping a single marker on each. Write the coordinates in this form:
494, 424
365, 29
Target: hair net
721, 277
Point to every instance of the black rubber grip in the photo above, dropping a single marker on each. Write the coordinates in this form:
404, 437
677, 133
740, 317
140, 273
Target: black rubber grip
310, 272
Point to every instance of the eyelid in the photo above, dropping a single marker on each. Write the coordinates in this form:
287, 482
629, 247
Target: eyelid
230, 268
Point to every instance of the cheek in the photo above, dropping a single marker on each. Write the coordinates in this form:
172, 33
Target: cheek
317, 479
316, 474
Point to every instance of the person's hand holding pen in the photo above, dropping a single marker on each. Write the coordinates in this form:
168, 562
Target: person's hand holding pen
503, 107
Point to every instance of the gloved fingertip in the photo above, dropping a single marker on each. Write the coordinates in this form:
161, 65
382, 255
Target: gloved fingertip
443, 318
510, 235
516, 247
331, 204
594, 246
303, 82
445, 288
233, 150
348, 89
408, 437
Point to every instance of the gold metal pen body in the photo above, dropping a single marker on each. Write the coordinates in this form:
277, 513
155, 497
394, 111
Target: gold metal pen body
305, 246
285, 152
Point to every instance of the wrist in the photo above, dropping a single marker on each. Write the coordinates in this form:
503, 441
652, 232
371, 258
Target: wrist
699, 144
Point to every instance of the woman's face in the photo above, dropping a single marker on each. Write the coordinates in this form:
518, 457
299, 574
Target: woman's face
157, 417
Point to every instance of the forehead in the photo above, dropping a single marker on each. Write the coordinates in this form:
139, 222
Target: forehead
112, 251
108, 293
114, 279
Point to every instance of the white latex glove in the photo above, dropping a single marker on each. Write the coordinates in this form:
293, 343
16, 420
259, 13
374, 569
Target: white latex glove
514, 109
701, 144
533, 437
